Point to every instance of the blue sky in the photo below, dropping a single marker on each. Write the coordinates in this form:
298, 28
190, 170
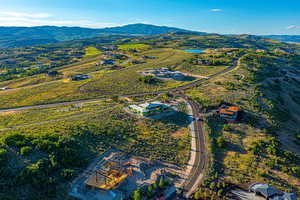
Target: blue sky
217, 16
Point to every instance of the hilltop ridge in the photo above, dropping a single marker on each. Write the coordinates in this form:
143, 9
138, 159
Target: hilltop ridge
28, 36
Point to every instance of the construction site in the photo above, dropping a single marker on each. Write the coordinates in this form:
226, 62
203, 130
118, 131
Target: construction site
166, 73
115, 175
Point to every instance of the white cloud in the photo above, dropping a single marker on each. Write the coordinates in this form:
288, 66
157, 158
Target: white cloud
16, 21
216, 10
8, 18
28, 15
293, 27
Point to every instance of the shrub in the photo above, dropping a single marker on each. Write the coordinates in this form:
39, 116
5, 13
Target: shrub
197, 195
150, 191
137, 195
149, 80
221, 142
227, 127
67, 174
3, 156
25, 150
295, 171
161, 183
16, 140
212, 186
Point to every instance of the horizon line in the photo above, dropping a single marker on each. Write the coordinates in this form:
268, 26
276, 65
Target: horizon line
122, 25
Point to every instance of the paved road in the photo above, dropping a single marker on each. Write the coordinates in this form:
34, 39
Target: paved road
201, 160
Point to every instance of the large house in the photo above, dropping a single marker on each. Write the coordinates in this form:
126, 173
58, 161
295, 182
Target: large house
229, 112
270, 193
148, 109
107, 62
79, 77
264, 190
149, 57
285, 196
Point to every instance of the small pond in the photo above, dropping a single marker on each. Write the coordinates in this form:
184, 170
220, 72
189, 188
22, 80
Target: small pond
192, 50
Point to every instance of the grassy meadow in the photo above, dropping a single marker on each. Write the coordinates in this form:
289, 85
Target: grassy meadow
133, 46
91, 51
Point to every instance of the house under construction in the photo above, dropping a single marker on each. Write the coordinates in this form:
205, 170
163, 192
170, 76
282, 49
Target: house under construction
108, 177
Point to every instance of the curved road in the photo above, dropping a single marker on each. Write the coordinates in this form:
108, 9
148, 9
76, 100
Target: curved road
201, 159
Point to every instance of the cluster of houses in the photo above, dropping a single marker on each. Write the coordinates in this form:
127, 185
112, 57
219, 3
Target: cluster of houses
149, 109
270, 193
165, 73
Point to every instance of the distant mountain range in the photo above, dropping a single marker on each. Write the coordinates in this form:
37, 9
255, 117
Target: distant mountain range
26, 36
284, 38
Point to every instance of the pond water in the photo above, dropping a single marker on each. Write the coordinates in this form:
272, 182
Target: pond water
192, 50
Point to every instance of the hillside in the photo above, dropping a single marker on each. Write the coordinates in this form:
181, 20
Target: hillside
263, 145
27, 36
49, 144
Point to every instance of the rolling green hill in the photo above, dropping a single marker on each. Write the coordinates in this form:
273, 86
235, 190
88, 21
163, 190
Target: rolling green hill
27, 36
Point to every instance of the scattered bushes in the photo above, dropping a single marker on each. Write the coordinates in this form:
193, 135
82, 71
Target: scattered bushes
215, 189
149, 80
60, 156
67, 174
272, 147
16, 140
151, 191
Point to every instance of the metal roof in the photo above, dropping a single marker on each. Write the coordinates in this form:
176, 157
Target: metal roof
264, 189
285, 196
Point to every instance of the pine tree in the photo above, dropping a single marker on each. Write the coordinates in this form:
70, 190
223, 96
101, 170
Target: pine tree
161, 183
137, 195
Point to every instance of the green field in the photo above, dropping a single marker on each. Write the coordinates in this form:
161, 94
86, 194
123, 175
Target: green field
91, 51
133, 46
